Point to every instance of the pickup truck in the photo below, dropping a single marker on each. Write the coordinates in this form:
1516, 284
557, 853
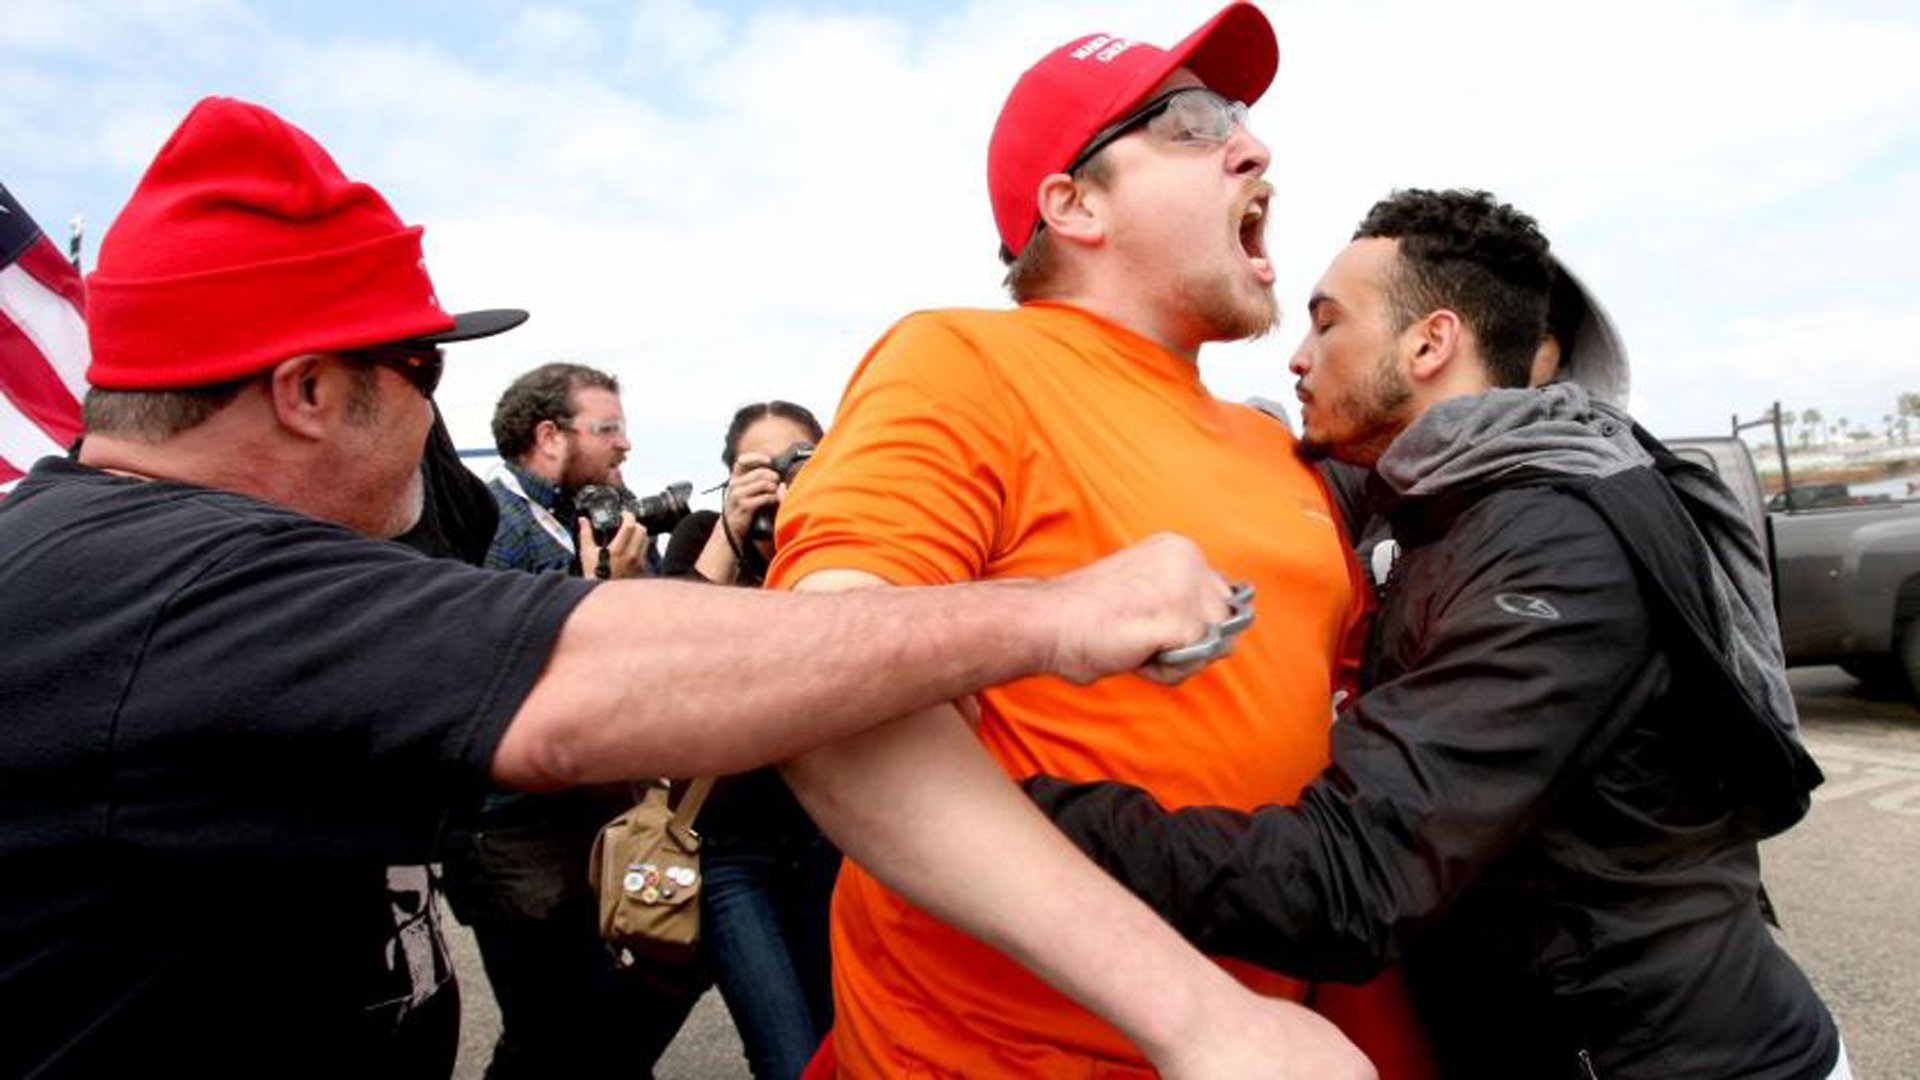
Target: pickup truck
1846, 572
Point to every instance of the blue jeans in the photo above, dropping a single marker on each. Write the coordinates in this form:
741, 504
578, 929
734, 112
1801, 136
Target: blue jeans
764, 908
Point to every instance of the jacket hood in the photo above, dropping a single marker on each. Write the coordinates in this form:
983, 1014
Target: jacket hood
1466, 440
1598, 359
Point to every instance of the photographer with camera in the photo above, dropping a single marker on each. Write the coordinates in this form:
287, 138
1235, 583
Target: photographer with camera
520, 881
767, 443
605, 509
769, 871
561, 432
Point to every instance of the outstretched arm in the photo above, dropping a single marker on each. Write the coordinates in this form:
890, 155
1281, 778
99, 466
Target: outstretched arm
920, 805
1434, 773
669, 678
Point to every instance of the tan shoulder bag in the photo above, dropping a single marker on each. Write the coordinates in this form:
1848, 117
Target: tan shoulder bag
646, 872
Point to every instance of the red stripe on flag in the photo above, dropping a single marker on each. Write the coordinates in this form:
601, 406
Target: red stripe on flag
52, 270
43, 348
33, 386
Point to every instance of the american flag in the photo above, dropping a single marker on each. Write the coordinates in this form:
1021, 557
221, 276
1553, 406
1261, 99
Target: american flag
43, 345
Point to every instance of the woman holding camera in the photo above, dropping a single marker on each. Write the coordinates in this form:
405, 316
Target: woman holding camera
733, 547
769, 872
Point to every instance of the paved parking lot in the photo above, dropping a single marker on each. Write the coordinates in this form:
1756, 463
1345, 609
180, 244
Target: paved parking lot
1846, 882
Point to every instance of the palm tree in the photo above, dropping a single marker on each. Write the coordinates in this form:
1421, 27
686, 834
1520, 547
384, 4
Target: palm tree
1909, 411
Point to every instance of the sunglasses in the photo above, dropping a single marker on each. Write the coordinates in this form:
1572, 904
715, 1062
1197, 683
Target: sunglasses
1192, 116
421, 365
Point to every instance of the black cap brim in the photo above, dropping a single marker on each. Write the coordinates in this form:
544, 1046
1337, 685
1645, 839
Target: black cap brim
476, 324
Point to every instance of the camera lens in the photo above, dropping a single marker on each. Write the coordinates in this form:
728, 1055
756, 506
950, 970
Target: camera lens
660, 513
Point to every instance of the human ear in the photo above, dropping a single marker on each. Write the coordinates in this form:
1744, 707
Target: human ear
1065, 209
299, 395
1546, 362
1435, 342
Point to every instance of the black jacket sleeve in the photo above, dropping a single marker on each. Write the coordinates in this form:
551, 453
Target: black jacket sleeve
1518, 649
688, 541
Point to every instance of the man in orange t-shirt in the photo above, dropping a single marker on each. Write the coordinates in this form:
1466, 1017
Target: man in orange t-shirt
978, 445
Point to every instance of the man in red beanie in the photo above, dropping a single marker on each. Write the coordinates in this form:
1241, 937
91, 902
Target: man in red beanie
228, 709
1131, 204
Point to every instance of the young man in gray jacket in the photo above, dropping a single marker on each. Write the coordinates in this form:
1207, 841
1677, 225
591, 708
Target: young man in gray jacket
1573, 726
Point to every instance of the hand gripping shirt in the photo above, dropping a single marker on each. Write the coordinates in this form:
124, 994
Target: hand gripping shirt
999, 444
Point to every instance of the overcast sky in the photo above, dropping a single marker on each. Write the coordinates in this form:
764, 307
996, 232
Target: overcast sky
724, 202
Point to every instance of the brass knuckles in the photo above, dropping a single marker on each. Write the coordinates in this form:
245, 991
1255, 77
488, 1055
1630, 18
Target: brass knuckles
1219, 636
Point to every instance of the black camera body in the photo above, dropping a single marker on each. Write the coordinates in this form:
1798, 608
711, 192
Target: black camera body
787, 466
601, 505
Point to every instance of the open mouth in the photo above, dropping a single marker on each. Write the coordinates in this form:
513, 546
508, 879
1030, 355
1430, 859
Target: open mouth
1253, 235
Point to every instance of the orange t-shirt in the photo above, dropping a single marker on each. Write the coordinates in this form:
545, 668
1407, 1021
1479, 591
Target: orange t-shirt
989, 444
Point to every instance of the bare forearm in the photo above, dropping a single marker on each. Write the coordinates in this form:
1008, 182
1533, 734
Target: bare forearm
671, 678
920, 805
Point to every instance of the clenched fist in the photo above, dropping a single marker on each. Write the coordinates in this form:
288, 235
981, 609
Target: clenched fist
1120, 613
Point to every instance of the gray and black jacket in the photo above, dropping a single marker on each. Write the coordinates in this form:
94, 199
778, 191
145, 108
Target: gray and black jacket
1574, 728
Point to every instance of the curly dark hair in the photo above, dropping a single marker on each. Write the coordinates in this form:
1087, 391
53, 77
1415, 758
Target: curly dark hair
1465, 251
545, 393
759, 410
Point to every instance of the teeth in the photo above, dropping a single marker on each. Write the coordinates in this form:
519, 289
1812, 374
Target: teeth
1255, 211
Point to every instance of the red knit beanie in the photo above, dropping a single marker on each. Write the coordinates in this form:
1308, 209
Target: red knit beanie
244, 245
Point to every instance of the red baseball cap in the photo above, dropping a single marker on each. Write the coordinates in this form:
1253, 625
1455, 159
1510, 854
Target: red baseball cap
1063, 101
243, 245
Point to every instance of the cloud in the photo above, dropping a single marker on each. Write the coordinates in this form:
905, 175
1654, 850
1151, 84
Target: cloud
726, 204
553, 38
671, 38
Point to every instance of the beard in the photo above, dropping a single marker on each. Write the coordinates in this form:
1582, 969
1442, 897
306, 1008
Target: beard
1226, 308
577, 472
1372, 416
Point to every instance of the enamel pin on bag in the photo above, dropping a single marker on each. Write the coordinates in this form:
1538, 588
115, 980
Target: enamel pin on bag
646, 872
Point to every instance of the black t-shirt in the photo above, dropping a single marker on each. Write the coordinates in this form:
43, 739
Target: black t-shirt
222, 721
